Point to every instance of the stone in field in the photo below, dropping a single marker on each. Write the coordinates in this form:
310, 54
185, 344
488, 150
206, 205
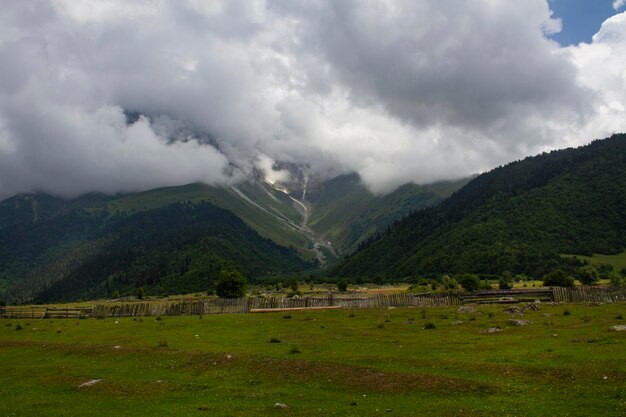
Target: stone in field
281, 406
518, 322
618, 328
491, 330
89, 383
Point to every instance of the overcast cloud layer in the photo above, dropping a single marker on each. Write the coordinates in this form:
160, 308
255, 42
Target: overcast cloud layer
397, 91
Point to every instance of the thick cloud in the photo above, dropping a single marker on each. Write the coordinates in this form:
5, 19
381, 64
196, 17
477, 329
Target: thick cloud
396, 90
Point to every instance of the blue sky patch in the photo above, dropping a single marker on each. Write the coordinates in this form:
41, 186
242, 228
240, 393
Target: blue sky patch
581, 19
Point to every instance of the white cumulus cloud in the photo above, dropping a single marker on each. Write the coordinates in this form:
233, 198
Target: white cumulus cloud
396, 90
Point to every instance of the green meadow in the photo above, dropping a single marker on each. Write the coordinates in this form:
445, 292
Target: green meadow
396, 362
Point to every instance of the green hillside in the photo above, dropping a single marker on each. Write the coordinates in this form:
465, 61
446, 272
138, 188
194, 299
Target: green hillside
174, 248
516, 218
347, 213
263, 220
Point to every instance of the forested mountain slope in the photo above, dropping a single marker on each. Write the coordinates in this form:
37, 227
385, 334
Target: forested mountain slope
56, 248
347, 213
516, 218
175, 248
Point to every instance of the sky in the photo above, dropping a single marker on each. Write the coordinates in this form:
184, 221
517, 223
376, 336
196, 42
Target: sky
116, 96
581, 19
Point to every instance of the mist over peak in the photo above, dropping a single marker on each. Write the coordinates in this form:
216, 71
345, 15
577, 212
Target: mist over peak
117, 96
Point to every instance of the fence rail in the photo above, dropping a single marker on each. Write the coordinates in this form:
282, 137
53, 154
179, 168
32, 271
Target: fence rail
589, 294
192, 307
40, 312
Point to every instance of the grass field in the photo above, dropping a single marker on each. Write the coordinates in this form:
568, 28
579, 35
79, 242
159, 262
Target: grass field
618, 261
361, 362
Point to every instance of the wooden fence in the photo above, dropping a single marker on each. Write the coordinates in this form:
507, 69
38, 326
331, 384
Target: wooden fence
507, 296
589, 294
192, 307
41, 312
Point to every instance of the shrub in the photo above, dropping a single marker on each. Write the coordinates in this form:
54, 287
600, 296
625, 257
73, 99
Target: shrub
587, 276
342, 285
231, 284
506, 281
605, 270
469, 282
140, 293
381, 326
3, 303
287, 316
566, 313
162, 344
449, 283
558, 278
18, 327
115, 294
617, 281
274, 340
295, 349
485, 285
619, 317
429, 326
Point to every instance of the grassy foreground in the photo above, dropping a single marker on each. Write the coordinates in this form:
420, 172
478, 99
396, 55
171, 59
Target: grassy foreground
361, 362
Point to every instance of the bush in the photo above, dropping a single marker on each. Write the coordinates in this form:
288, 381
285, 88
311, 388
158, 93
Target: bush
231, 284
3, 303
469, 282
485, 285
587, 276
605, 270
140, 293
342, 285
558, 278
506, 281
429, 326
617, 281
18, 327
295, 349
505, 284
162, 344
274, 340
115, 294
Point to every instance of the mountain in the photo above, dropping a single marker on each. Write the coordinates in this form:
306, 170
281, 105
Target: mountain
346, 213
320, 219
53, 248
519, 218
179, 247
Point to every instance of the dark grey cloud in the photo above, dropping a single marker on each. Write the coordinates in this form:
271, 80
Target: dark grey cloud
396, 90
